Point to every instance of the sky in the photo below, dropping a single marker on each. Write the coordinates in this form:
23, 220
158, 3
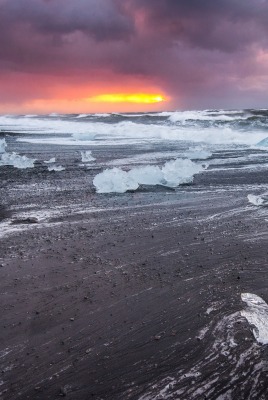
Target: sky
132, 55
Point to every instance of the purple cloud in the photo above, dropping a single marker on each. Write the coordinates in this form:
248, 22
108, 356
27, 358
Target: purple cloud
197, 51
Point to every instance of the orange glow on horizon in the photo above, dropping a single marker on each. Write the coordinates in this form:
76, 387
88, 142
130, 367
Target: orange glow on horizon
95, 104
136, 98
46, 94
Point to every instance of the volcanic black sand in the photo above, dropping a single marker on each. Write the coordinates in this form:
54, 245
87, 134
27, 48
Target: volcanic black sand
132, 296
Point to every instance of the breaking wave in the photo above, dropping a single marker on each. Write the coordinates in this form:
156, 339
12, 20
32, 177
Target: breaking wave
214, 127
172, 174
206, 115
140, 132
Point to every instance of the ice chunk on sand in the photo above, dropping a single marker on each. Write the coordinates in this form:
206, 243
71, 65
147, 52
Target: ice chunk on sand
55, 168
16, 160
263, 143
256, 314
114, 181
147, 175
180, 171
87, 156
2, 146
172, 174
261, 200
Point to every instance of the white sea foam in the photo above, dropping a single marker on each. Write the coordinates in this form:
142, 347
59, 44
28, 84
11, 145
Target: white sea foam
260, 200
81, 130
172, 174
50, 161
88, 130
257, 315
225, 352
55, 168
17, 161
2, 146
151, 132
52, 125
198, 153
87, 156
206, 115
102, 115
59, 141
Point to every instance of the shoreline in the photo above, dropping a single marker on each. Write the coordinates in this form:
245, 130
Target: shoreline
109, 304
136, 295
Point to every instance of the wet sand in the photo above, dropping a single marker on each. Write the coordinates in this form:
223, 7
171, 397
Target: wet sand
136, 297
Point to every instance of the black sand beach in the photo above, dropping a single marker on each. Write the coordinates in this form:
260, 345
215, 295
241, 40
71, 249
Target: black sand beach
131, 296
133, 200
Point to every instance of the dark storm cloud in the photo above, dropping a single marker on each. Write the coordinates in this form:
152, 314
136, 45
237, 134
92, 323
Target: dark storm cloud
224, 25
183, 46
101, 19
221, 25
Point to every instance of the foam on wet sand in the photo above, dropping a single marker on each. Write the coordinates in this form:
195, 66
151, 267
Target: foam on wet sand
256, 314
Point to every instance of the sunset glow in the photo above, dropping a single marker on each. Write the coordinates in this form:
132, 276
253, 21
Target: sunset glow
138, 98
131, 55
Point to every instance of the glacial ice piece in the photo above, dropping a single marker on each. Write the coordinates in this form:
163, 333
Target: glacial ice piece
180, 171
256, 314
261, 200
84, 136
2, 146
172, 174
17, 161
114, 181
263, 143
55, 168
87, 156
147, 175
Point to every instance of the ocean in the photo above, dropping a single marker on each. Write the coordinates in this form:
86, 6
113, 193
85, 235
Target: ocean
139, 241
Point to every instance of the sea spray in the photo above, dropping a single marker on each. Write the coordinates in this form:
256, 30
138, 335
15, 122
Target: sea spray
256, 314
